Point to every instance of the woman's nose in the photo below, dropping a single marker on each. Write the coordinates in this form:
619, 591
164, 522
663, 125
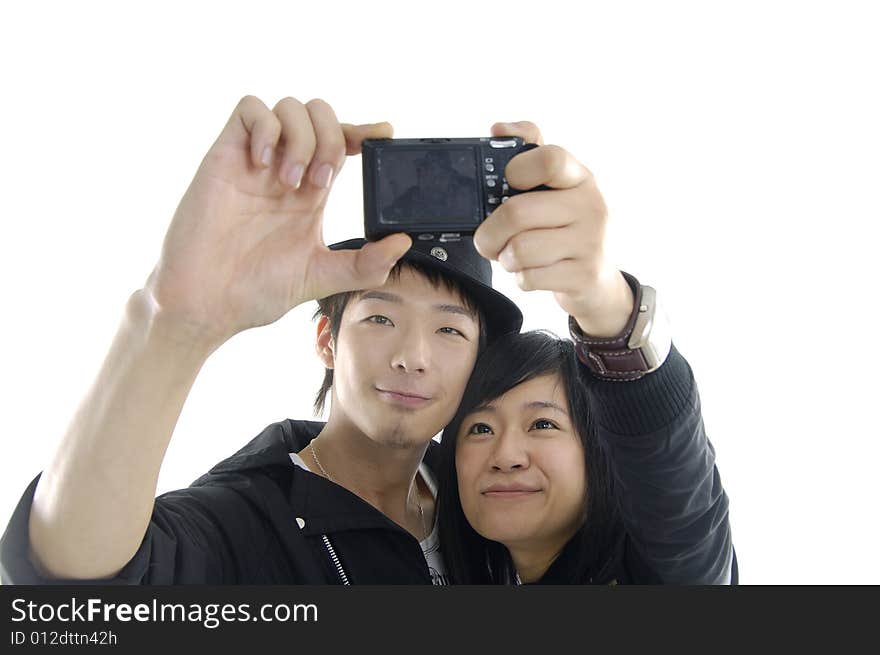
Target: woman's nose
509, 454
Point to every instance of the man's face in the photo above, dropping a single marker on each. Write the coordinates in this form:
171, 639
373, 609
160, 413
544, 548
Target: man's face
403, 355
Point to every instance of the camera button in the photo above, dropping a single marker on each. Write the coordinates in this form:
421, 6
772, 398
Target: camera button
502, 143
490, 168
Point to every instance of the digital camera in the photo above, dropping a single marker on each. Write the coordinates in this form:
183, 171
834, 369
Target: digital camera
435, 189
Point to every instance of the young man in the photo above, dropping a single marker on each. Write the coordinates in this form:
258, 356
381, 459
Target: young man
245, 247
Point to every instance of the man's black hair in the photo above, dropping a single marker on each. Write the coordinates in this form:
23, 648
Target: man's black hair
333, 306
506, 363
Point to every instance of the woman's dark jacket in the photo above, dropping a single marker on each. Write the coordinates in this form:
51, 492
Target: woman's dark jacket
673, 509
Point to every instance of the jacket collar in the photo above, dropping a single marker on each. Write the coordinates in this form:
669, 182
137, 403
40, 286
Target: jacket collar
271, 447
321, 506
564, 569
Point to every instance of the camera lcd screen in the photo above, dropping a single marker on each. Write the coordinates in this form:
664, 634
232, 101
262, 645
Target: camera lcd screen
428, 186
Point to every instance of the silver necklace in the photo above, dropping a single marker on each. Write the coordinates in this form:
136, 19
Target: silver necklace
314, 452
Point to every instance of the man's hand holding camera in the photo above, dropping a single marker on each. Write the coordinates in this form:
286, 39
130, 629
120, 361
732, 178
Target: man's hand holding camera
555, 239
245, 245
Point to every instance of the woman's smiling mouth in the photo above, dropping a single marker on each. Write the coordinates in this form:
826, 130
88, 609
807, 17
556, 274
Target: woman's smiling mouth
510, 491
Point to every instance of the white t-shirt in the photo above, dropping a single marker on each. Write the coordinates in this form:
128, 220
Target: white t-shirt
431, 544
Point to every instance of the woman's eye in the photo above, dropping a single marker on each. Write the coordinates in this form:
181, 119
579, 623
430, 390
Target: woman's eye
381, 320
544, 424
480, 428
452, 331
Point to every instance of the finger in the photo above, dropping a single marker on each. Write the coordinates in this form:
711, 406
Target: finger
253, 127
565, 276
525, 129
355, 134
550, 165
298, 140
366, 268
538, 248
375, 259
330, 144
526, 211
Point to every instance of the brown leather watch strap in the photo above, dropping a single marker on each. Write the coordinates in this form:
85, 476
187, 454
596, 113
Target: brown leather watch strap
610, 357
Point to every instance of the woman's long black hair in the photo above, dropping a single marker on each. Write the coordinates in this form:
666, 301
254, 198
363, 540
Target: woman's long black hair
509, 361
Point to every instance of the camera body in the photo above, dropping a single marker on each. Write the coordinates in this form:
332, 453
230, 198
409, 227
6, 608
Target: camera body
435, 188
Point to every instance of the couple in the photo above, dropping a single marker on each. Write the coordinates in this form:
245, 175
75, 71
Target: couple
558, 462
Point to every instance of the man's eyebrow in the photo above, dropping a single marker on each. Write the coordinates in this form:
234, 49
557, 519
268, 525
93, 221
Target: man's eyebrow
380, 295
534, 404
393, 297
456, 309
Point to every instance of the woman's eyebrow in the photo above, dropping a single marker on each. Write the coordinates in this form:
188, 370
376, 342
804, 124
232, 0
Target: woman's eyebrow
544, 404
532, 404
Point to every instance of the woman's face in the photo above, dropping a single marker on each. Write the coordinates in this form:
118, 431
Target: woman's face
520, 464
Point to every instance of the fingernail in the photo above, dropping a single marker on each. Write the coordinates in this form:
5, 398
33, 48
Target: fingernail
294, 176
322, 176
267, 155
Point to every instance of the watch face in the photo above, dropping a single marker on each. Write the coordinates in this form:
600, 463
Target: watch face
651, 333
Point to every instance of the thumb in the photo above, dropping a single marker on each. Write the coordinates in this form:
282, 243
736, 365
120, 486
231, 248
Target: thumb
367, 267
355, 134
375, 259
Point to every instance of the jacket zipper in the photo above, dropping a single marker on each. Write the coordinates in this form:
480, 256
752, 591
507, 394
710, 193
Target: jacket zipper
335, 559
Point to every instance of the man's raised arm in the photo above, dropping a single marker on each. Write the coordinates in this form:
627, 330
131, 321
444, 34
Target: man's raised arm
244, 247
93, 502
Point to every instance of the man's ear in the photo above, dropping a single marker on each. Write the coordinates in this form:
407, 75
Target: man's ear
324, 342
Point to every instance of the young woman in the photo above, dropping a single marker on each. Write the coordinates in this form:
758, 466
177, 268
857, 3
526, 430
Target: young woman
530, 490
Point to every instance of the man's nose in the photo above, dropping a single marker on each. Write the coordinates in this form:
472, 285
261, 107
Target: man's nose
510, 453
412, 353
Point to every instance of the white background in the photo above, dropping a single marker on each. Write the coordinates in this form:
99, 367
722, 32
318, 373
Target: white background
736, 144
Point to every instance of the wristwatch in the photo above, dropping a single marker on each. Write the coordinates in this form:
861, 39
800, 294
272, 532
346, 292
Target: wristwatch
640, 348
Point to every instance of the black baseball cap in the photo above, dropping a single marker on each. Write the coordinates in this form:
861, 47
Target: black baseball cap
460, 261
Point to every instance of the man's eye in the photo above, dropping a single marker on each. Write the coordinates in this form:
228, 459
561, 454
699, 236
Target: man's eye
480, 428
381, 320
544, 424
